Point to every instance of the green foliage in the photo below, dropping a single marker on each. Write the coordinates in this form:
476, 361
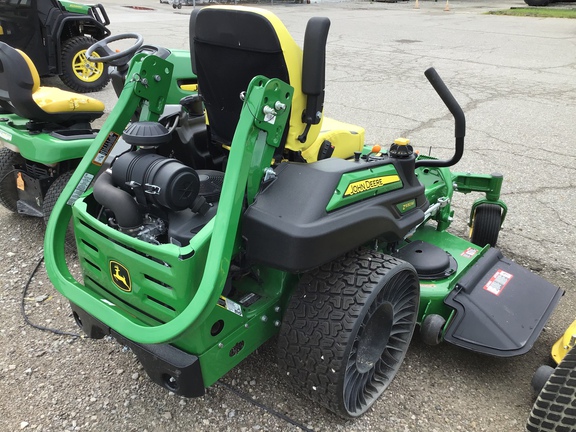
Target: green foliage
537, 12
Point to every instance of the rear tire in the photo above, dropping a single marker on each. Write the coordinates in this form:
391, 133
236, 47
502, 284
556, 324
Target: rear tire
77, 72
347, 329
8, 190
486, 224
554, 408
52, 195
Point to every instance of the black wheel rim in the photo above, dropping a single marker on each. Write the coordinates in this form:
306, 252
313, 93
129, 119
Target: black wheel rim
372, 364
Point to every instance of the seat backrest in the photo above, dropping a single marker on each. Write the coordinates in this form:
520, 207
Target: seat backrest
19, 79
231, 45
21, 94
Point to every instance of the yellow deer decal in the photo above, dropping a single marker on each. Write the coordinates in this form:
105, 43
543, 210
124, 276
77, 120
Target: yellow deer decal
120, 276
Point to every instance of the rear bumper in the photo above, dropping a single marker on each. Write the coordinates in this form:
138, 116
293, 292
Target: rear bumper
169, 367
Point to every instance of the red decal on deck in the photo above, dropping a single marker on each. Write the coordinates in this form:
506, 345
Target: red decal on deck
497, 282
469, 253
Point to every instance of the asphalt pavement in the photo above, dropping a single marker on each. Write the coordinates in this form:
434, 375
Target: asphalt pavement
515, 78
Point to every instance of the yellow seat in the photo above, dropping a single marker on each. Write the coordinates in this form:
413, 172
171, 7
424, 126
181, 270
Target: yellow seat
232, 44
21, 94
55, 100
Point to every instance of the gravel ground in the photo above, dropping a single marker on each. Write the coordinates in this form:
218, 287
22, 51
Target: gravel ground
516, 79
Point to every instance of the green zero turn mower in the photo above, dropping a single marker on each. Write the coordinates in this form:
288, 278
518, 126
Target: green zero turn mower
45, 131
55, 35
203, 242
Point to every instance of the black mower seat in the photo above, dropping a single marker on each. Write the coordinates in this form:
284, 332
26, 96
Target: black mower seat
21, 93
230, 45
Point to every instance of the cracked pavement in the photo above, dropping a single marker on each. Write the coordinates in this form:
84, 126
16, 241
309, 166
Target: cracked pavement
516, 81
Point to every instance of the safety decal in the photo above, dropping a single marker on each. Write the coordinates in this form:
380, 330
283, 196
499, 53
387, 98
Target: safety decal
81, 188
369, 184
497, 282
106, 148
228, 304
469, 253
20, 184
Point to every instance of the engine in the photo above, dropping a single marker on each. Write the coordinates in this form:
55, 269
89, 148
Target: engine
155, 198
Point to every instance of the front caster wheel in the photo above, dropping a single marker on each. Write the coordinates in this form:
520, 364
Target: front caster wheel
486, 224
347, 329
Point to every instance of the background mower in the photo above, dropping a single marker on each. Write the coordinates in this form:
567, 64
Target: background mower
45, 131
201, 243
55, 35
556, 388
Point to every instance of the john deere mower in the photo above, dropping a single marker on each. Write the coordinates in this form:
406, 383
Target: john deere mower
45, 131
203, 242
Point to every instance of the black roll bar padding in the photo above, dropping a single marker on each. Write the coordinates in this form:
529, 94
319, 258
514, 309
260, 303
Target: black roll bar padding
459, 121
314, 71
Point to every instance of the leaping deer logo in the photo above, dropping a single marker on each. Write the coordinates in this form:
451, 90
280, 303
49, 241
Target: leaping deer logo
120, 276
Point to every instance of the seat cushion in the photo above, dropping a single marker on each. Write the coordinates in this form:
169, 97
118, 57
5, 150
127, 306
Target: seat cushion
345, 137
54, 100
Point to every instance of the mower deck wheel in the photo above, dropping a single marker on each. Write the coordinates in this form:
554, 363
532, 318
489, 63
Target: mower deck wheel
8, 191
347, 328
554, 409
542, 374
431, 329
486, 225
78, 73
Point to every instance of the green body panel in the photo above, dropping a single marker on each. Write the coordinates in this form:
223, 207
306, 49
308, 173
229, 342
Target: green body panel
359, 185
182, 74
75, 7
43, 148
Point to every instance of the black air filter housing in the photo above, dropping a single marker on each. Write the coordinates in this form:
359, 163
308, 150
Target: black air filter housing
156, 179
146, 134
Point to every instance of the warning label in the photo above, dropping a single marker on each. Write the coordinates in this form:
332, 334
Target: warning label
228, 304
106, 148
469, 253
80, 188
497, 282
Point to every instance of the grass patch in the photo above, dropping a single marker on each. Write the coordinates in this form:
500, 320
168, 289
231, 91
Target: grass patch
537, 12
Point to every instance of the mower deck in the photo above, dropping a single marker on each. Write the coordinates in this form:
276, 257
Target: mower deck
501, 307
492, 305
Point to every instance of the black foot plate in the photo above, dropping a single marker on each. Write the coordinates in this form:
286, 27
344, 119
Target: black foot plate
500, 306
